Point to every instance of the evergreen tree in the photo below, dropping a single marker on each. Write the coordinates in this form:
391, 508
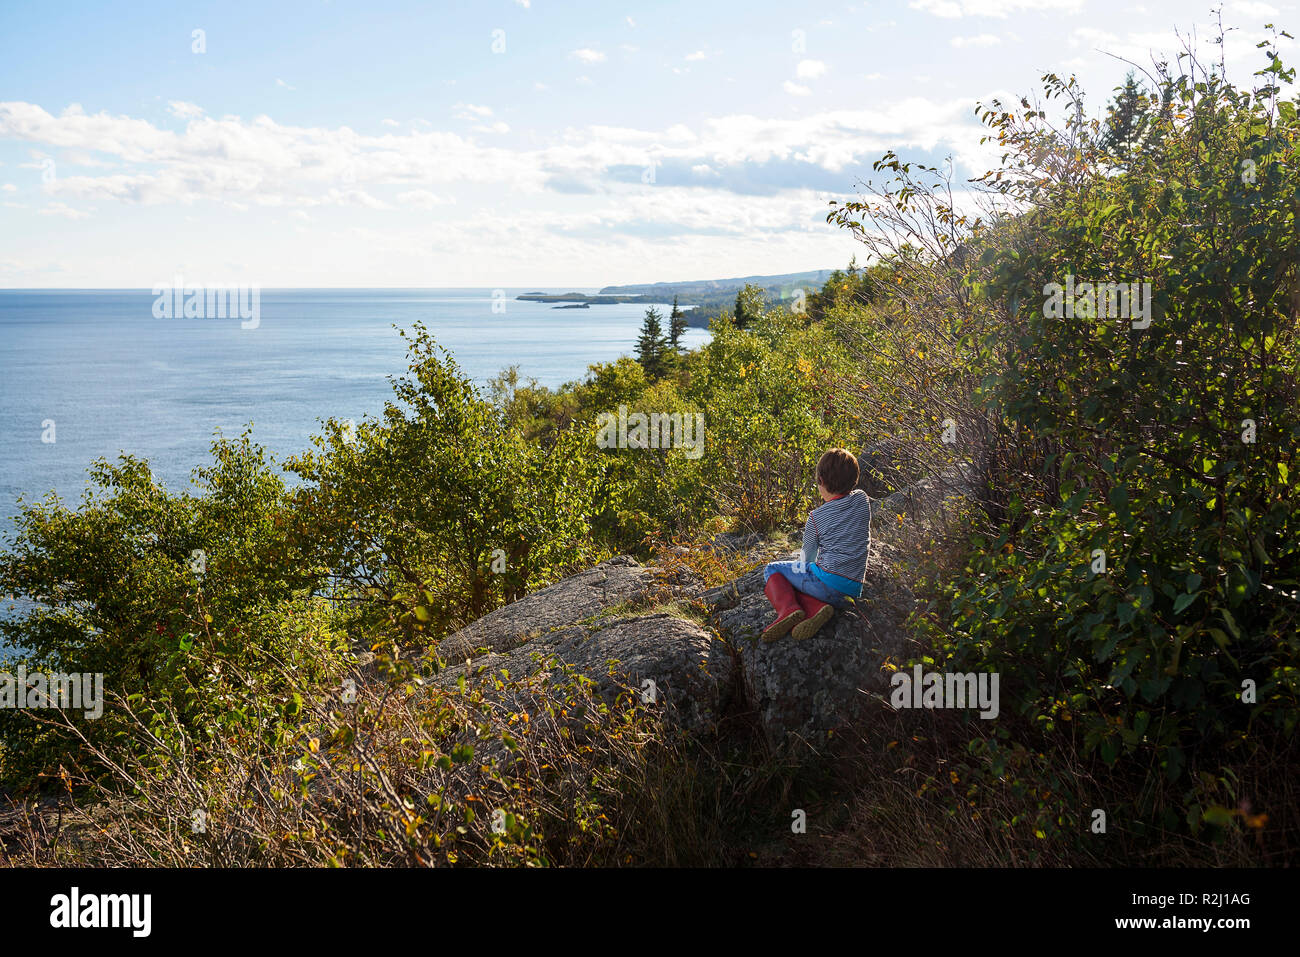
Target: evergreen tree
1126, 120
676, 327
652, 345
749, 305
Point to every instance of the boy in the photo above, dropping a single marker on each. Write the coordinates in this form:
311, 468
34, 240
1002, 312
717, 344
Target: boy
806, 592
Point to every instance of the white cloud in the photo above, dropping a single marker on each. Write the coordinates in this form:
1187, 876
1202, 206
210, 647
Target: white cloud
497, 127
388, 122
940, 8
9, 188
232, 160
422, 199
62, 209
810, 69
697, 55
999, 9
75, 157
133, 140
983, 40
794, 89
183, 110
338, 197
524, 3
280, 82
1245, 8
259, 163
469, 111
588, 56
1142, 46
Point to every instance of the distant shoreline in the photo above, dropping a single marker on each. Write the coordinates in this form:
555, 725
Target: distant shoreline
695, 317
583, 297
698, 300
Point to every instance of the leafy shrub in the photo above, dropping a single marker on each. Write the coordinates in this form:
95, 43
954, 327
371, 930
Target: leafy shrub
1139, 575
118, 590
434, 513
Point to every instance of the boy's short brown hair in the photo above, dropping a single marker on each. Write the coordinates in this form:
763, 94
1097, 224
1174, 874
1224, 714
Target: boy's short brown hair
837, 470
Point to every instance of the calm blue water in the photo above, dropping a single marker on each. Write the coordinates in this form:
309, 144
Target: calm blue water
114, 378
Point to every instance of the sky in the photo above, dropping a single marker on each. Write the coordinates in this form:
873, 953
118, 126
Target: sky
507, 143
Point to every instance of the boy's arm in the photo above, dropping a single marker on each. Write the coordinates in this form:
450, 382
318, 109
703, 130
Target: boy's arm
809, 542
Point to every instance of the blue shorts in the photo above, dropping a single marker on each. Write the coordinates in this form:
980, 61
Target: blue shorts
801, 576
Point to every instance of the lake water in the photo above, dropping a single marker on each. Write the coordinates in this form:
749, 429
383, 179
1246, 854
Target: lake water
112, 377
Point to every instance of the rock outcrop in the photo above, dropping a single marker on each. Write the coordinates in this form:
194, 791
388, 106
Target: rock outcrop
685, 668
594, 621
802, 689
614, 582
623, 625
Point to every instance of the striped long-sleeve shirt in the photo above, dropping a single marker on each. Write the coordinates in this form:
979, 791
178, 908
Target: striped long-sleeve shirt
836, 538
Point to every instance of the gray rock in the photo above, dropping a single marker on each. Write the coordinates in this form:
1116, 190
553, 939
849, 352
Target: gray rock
801, 690
578, 622
621, 579
735, 542
725, 597
693, 673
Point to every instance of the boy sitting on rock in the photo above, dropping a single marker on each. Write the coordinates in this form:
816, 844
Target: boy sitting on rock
806, 591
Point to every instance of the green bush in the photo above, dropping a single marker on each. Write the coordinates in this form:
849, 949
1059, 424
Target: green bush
1146, 573
122, 590
434, 513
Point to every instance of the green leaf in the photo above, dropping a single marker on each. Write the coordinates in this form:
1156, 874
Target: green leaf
1219, 816
1231, 623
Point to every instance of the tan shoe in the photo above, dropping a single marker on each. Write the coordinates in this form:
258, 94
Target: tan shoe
816, 614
